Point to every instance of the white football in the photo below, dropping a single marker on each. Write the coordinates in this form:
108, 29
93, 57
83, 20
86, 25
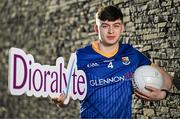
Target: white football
147, 76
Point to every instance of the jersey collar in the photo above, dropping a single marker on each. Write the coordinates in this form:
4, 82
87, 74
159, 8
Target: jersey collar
95, 46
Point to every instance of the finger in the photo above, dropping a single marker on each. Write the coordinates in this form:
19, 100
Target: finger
55, 100
59, 98
150, 88
62, 98
142, 96
139, 94
144, 93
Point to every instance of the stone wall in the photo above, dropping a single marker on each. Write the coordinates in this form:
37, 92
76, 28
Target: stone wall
48, 29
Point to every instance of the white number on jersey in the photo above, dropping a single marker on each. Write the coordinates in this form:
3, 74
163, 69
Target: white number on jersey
110, 65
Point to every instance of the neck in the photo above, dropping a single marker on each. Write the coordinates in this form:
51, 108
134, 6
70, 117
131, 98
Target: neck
108, 48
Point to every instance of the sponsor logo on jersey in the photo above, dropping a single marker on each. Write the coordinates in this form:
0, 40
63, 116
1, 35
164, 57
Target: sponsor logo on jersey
125, 60
94, 64
106, 81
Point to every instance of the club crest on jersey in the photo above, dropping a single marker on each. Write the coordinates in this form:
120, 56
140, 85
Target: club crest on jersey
125, 60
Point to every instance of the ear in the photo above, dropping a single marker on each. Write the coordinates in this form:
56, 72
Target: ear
96, 28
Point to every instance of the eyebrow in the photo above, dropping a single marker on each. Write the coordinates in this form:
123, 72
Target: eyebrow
104, 24
118, 23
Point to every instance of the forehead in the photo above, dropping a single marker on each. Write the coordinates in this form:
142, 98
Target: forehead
99, 22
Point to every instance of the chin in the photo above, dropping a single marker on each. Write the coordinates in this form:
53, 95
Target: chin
112, 42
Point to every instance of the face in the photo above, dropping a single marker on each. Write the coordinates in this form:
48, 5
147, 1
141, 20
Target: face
109, 31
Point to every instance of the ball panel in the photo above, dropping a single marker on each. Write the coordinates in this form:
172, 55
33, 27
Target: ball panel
147, 76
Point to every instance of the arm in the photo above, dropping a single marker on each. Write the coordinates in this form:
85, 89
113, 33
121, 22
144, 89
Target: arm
156, 94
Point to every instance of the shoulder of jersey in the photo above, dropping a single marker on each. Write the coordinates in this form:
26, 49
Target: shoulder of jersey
86, 49
125, 48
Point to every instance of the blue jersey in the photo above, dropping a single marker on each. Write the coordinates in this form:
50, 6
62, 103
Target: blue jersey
109, 85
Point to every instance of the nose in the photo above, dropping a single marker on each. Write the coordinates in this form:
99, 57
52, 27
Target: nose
110, 30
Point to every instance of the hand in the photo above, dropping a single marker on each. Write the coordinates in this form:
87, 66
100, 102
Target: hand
154, 94
59, 101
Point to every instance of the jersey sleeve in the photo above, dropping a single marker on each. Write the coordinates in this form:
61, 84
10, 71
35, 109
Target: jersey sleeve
76, 59
143, 60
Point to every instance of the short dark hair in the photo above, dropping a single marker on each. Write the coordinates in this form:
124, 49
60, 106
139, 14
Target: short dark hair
110, 13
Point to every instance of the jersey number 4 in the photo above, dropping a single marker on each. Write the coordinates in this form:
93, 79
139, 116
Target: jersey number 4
110, 65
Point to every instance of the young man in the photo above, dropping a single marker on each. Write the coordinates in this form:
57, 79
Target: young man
109, 66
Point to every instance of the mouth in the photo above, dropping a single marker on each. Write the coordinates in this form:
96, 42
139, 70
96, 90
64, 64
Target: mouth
111, 37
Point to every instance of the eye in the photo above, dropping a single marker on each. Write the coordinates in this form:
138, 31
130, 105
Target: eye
104, 26
117, 25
